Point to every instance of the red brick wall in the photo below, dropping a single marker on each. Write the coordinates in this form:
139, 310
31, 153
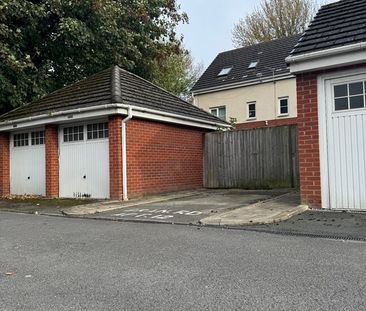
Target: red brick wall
115, 157
163, 157
271, 123
4, 164
308, 139
308, 129
52, 164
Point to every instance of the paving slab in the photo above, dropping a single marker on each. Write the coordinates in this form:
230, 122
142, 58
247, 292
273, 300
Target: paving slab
188, 210
269, 211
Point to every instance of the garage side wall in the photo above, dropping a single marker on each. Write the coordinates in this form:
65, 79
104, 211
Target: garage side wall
4, 164
163, 157
308, 139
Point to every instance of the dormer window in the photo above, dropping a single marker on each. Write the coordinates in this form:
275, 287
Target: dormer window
253, 65
224, 71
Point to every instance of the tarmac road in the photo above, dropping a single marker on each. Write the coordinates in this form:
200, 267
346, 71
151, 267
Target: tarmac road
57, 263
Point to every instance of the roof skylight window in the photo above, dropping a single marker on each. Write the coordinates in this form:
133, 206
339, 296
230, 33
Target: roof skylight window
253, 65
224, 71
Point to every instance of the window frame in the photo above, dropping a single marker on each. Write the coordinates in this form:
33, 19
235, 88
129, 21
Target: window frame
40, 138
211, 109
255, 110
348, 96
104, 130
279, 114
73, 126
25, 139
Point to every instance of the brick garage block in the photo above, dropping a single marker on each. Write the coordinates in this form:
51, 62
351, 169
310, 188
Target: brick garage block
163, 157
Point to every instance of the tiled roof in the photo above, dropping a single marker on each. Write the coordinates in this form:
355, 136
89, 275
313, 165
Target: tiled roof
113, 85
336, 24
269, 55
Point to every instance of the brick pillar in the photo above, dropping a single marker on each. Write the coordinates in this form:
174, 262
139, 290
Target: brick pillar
115, 157
308, 134
52, 164
4, 164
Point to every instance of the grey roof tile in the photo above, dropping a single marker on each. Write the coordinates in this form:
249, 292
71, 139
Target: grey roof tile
113, 85
268, 54
336, 24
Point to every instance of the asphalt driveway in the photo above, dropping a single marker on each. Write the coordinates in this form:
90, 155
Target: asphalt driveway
190, 210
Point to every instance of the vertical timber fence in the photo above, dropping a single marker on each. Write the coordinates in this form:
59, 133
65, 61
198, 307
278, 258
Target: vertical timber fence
262, 158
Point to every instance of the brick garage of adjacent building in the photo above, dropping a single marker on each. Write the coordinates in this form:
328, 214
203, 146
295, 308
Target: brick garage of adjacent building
308, 139
74, 140
330, 67
163, 157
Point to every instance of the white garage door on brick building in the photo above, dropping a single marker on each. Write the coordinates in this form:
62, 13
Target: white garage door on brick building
27, 164
84, 160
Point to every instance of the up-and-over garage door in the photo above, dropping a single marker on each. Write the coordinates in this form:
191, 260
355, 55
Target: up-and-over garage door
345, 126
84, 160
27, 163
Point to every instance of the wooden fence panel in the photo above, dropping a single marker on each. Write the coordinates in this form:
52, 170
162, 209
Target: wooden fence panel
253, 159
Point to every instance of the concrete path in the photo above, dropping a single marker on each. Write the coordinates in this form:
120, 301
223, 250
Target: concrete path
108, 206
269, 211
189, 209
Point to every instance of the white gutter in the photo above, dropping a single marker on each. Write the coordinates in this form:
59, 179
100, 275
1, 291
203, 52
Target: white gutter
328, 52
255, 81
124, 154
115, 107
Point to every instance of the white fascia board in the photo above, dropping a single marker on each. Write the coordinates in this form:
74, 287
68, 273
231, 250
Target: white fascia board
243, 84
75, 115
70, 117
328, 59
168, 119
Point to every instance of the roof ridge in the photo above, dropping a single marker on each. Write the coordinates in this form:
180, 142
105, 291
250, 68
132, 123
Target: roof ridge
166, 92
261, 43
116, 85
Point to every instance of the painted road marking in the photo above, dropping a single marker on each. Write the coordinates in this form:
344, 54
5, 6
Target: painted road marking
160, 214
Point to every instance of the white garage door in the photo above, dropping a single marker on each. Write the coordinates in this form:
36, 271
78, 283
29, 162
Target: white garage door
27, 163
84, 161
346, 142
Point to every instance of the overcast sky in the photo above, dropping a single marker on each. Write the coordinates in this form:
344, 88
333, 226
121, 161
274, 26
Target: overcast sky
210, 23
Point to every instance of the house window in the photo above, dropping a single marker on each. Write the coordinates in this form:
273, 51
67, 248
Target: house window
283, 106
219, 112
224, 71
349, 96
252, 110
73, 133
253, 65
21, 140
97, 130
37, 138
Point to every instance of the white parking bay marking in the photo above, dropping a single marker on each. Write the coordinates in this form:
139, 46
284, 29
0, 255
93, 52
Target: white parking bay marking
161, 214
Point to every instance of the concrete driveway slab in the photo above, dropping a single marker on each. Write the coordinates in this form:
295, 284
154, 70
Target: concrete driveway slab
189, 210
270, 211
